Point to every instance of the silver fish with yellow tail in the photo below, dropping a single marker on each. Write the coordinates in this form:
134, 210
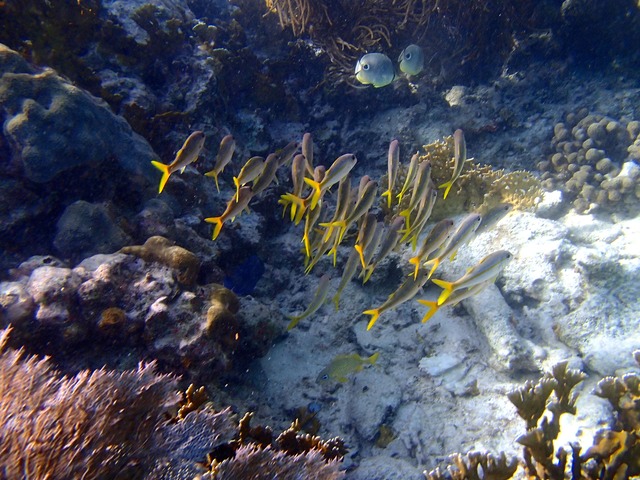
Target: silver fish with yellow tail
460, 157
187, 154
454, 299
234, 208
318, 300
225, 152
393, 162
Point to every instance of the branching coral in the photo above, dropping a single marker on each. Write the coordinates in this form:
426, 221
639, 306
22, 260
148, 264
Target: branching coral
615, 453
479, 187
96, 424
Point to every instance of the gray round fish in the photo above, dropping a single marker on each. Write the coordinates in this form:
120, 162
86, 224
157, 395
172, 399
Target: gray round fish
411, 60
375, 69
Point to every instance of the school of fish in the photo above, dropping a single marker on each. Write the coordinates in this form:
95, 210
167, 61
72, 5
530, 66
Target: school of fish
328, 219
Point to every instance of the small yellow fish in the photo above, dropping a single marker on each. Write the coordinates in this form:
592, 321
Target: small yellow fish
362, 206
365, 234
460, 157
343, 365
318, 300
393, 162
307, 151
411, 173
234, 207
493, 216
389, 242
421, 186
488, 268
286, 153
225, 152
186, 155
269, 171
375, 69
411, 60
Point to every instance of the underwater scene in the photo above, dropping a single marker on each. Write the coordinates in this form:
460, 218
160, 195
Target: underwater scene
320, 239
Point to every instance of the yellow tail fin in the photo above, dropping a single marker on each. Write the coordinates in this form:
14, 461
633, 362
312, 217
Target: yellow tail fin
372, 359
375, 313
448, 186
218, 225
317, 193
294, 321
361, 253
214, 174
165, 174
336, 300
236, 182
368, 271
436, 262
415, 261
448, 289
433, 308
387, 193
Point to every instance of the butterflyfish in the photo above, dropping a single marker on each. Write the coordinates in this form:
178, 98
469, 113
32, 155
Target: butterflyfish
336, 172
405, 292
459, 158
488, 268
318, 299
187, 154
411, 60
249, 172
225, 152
393, 162
344, 365
439, 234
375, 69
234, 208
462, 235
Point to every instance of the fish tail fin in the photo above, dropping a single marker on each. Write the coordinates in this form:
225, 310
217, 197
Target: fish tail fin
388, 194
372, 359
317, 193
433, 308
375, 313
360, 251
214, 174
218, 225
368, 271
416, 262
447, 186
436, 262
447, 289
294, 321
336, 300
333, 252
165, 174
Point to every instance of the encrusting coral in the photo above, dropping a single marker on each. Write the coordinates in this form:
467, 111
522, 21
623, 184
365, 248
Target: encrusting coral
615, 453
161, 250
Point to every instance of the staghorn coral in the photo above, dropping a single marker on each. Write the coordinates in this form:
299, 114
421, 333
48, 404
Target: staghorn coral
476, 466
595, 162
161, 250
96, 424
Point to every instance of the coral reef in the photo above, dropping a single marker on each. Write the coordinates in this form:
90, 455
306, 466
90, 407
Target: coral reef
479, 187
53, 126
615, 452
164, 251
473, 36
99, 423
595, 162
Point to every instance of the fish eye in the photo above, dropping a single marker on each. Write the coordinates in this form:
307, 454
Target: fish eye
325, 376
407, 56
365, 66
